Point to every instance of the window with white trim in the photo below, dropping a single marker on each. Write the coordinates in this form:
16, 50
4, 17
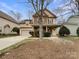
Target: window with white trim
49, 21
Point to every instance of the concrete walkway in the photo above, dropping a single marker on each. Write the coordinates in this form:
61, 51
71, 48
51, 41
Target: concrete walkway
6, 42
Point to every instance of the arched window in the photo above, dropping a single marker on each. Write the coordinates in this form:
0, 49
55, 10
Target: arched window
7, 29
7, 26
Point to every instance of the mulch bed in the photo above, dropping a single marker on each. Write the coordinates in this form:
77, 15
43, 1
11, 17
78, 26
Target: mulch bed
43, 49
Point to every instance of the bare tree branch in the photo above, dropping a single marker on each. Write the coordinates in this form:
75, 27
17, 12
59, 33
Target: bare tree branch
16, 15
40, 5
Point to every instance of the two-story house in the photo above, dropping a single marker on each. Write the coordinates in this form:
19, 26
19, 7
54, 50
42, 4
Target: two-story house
48, 21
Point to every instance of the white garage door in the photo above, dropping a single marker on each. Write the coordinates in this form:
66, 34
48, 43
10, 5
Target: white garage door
25, 33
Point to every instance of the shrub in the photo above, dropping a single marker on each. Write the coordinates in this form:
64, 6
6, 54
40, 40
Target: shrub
31, 33
64, 31
0, 30
16, 29
36, 33
47, 34
78, 31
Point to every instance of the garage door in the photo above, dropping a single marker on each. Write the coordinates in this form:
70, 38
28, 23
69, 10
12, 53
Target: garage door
25, 33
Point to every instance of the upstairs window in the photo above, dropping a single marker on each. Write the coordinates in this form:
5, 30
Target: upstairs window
50, 21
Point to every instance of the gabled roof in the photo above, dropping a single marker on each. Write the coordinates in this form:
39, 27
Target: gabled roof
46, 13
7, 17
73, 20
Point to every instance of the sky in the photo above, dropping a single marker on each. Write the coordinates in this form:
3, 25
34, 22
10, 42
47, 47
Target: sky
24, 8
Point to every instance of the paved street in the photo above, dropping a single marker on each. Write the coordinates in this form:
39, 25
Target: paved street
6, 42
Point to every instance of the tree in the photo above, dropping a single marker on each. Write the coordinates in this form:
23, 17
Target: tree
78, 31
16, 29
77, 1
40, 5
69, 8
64, 31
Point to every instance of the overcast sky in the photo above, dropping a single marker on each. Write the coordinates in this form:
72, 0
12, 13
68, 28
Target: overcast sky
24, 9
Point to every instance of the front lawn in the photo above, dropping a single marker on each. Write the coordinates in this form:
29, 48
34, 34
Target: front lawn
44, 49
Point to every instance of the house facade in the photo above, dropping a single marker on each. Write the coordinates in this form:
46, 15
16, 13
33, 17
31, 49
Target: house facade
7, 23
48, 21
72, 24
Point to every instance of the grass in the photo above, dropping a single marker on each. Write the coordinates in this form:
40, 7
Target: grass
43, 49
71, 38
31, 41
9, 35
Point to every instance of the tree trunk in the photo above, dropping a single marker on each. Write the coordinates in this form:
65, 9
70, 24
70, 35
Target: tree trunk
40, 31
40, 28
41, 23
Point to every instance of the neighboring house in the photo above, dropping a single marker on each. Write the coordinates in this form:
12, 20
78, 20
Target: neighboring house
7, 23
72, 24
25, 27
48, 21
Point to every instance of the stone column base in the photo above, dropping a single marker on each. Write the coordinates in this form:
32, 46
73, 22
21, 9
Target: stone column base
54, 34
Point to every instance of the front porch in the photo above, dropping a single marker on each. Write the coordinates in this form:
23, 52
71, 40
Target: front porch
45, 28
51, 29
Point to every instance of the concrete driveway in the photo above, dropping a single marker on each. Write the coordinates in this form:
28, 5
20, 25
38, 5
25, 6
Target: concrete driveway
6, 42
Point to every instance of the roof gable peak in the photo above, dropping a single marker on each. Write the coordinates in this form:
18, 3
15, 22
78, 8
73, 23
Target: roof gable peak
46, 12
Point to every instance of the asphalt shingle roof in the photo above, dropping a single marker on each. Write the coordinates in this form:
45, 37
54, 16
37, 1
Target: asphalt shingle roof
7, 17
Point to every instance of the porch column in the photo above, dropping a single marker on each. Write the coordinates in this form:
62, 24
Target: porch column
34, 31
53, 33
46, 29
